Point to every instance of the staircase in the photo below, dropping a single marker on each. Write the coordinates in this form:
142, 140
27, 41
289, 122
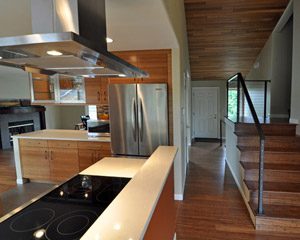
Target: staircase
281, 195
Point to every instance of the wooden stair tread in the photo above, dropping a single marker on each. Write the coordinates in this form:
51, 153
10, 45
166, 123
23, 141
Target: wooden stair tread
271, 166
268, 135
274, 186
269, 149
279, 211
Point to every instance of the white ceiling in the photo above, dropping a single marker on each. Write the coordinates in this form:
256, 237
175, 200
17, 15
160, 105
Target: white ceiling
139, 25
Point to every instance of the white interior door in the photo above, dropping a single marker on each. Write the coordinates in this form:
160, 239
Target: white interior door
205, 112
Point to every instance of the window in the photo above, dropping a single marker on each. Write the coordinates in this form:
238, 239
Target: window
92, 111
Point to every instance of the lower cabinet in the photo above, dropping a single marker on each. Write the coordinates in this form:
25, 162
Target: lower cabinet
63, 163
49, 160
35, 162
91, 152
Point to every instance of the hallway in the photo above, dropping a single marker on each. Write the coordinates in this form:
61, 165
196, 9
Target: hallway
213, 207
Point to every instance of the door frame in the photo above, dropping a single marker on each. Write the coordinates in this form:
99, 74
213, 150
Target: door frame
193, 108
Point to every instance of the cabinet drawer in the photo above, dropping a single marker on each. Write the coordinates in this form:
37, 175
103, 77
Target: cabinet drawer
94, 145
62, 144
33, 143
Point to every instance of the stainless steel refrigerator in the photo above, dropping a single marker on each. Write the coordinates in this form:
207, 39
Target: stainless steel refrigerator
138, 118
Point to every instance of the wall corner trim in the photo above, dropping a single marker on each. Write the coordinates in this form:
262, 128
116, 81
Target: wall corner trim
178, 197
294, 121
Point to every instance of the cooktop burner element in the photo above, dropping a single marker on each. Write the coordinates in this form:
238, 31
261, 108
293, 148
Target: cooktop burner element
32, 220
67, 212
71, 225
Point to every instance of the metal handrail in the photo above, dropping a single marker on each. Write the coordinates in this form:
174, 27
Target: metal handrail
241, 81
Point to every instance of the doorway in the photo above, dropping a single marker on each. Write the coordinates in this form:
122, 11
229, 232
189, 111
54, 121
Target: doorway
205, 112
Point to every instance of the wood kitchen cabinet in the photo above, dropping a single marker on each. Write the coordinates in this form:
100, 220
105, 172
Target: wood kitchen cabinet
91, 152
42, 88
58, 160
154, 62
34, 159
96, 91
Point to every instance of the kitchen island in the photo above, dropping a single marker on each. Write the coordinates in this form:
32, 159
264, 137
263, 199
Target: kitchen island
145, 208
55, 155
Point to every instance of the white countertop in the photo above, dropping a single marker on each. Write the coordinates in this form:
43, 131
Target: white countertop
115, 167
128, 216
57, 134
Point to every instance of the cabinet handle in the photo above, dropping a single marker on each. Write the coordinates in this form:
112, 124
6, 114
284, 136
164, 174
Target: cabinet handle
97, 157
62, 144
92, 157
51, 155
45, 155
100, 146
37, 143
104, 96
98, 96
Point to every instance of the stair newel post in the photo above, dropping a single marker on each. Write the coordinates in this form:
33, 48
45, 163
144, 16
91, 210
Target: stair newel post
260, 211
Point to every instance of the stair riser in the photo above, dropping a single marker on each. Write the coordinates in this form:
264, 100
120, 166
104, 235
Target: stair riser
280, 130
272, 224
273, 176
274, 143
277, 198
285, 158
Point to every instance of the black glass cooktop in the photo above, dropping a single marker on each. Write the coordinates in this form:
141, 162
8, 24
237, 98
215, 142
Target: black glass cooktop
66, 212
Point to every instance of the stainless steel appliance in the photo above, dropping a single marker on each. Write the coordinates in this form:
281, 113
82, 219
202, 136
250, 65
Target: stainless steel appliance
70, 38
98, 128
138, 118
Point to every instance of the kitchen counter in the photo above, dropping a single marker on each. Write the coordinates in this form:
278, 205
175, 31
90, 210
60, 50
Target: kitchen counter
129, 215
57, 134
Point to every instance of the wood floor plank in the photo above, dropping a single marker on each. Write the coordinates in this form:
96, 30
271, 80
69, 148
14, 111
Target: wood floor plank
213, 207
7, 170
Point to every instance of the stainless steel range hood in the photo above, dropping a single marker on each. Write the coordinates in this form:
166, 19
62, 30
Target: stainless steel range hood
79, 54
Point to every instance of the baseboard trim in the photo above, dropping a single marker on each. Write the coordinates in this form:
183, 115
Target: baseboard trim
178, 197
294, 121
242, 193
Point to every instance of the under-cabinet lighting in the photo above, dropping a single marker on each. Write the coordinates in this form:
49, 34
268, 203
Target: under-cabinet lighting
122, 75
109, 40
54, 53
75, 68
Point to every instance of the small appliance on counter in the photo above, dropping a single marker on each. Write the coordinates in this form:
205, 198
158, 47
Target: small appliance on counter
98, 128
84, 119
67, 212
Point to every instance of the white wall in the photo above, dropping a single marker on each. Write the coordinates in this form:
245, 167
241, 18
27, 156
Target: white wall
14, 83
180, 66
275, 64
295, 99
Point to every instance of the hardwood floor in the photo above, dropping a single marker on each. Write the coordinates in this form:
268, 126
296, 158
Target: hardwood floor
7, 170
213, 207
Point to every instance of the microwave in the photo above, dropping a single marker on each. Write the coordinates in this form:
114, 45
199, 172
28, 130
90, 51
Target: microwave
98, 128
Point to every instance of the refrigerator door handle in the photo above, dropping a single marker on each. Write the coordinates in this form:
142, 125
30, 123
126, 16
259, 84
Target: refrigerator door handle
141, 120
133, 119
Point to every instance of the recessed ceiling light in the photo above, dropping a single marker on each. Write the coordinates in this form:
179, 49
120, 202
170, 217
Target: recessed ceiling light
54, 53
85, 76
0, 57
122, 75
109, 40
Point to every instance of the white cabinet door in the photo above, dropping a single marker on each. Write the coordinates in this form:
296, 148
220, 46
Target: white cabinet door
205, 112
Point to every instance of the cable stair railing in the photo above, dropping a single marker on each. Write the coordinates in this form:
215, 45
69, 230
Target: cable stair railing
240, 82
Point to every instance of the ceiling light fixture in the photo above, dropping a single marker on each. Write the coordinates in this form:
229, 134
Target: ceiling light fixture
122, 75
54, 53
109, 40
0, 57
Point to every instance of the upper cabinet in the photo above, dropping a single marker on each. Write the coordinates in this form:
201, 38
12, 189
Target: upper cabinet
96, 91
57, 89
155, 62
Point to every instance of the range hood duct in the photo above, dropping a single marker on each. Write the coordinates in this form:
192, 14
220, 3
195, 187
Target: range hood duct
83, 54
